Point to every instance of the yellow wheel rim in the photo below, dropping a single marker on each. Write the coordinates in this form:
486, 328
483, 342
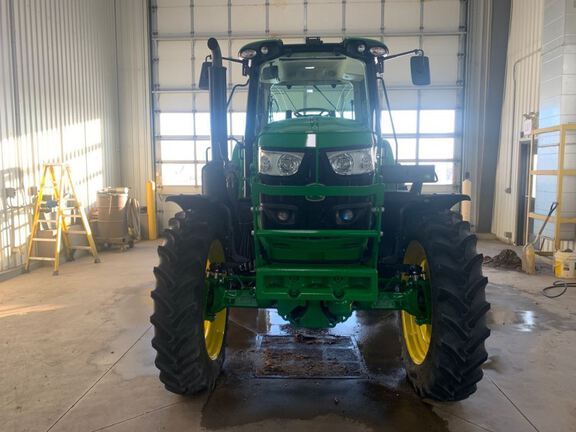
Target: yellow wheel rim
416, 337
214, 330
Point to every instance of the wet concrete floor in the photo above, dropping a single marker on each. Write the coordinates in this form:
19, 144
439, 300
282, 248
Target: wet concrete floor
85, 364
382, 397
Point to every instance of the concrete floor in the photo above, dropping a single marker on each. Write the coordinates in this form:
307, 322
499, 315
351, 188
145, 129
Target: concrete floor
75, 356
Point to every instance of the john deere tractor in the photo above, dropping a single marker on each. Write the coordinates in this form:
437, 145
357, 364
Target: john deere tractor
311, 215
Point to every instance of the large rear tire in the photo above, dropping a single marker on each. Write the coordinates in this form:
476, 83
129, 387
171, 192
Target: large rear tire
443, 360
189, 349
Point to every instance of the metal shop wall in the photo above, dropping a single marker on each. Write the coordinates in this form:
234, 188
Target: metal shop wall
428, 119
522, 90
136, 164
58, 102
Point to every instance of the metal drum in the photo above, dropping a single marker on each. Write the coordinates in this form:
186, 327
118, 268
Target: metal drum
111, 207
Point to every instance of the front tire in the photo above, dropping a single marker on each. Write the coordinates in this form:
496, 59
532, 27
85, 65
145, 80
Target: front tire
189, 350
443, 360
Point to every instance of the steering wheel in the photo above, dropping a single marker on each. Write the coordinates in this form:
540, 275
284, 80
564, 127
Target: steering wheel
303, 112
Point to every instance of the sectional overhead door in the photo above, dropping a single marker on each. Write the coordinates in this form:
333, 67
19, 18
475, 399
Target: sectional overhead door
427, 119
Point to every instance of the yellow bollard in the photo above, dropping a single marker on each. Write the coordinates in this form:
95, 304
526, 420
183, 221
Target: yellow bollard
465, 205
151, 209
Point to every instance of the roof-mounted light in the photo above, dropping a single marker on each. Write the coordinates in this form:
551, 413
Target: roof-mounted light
247, 54
378, 51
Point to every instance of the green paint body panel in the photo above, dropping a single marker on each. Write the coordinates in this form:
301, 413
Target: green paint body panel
329, 133
325, 291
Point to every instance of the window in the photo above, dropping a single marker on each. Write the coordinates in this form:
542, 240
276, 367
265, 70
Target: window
176, 124
312, 84
425, 137
185, 142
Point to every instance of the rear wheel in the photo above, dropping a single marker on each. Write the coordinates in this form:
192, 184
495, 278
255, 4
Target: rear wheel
190, 350
443, 359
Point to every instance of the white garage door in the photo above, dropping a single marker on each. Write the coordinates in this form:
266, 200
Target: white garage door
427, 119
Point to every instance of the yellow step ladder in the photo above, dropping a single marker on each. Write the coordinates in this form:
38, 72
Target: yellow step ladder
58, 178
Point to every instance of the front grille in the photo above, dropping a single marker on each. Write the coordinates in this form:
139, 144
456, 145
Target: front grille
299, 213
302, 213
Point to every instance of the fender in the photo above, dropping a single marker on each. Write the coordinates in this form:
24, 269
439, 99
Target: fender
399, 207
217, 213
426, 203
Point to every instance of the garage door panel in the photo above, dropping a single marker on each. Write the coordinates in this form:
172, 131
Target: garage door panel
211, 18
172, 3
441, 15
249, 18
174, 19
175, 102
239, 101
402, 16
363, 17
203, 3
439, 99
202, 102
401, 99
174, 64
286, 17
443, 53
324, 16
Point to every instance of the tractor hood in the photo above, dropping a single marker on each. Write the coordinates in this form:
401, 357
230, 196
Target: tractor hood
315, 132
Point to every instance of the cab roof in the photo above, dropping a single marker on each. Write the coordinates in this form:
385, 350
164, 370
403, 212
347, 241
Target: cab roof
354, 47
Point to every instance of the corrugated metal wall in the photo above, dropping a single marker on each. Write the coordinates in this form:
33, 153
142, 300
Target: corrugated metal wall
137, 161
521, 97
58, 102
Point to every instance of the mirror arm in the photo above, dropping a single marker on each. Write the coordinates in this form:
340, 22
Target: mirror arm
417, 52
233, 59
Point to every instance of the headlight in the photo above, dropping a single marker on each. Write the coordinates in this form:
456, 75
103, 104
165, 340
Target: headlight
279, 163
247, 54
351, 162
378, 51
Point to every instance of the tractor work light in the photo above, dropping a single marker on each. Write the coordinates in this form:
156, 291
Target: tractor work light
282, 164
346, 215
378, 51
247, 54
283, 216
351, 162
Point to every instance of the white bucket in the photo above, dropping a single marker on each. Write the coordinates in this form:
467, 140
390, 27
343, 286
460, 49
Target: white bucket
565, 265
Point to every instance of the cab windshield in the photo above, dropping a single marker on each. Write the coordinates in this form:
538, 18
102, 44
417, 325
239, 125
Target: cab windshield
312, 85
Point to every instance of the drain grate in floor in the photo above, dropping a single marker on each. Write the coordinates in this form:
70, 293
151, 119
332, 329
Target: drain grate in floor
300, 356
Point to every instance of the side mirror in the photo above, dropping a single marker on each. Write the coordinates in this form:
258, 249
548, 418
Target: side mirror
270, 73
420, 69
204, 81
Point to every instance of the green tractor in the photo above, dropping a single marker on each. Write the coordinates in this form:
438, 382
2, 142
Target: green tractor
312, 216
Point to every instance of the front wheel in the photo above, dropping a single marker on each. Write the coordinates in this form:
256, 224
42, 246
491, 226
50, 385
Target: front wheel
443, 359
189, 349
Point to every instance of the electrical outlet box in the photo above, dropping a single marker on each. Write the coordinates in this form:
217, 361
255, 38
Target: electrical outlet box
10, 192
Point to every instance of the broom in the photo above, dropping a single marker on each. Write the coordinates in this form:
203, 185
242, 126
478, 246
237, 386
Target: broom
529, 251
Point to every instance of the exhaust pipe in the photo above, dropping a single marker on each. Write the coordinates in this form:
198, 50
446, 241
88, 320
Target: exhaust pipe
213, 175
